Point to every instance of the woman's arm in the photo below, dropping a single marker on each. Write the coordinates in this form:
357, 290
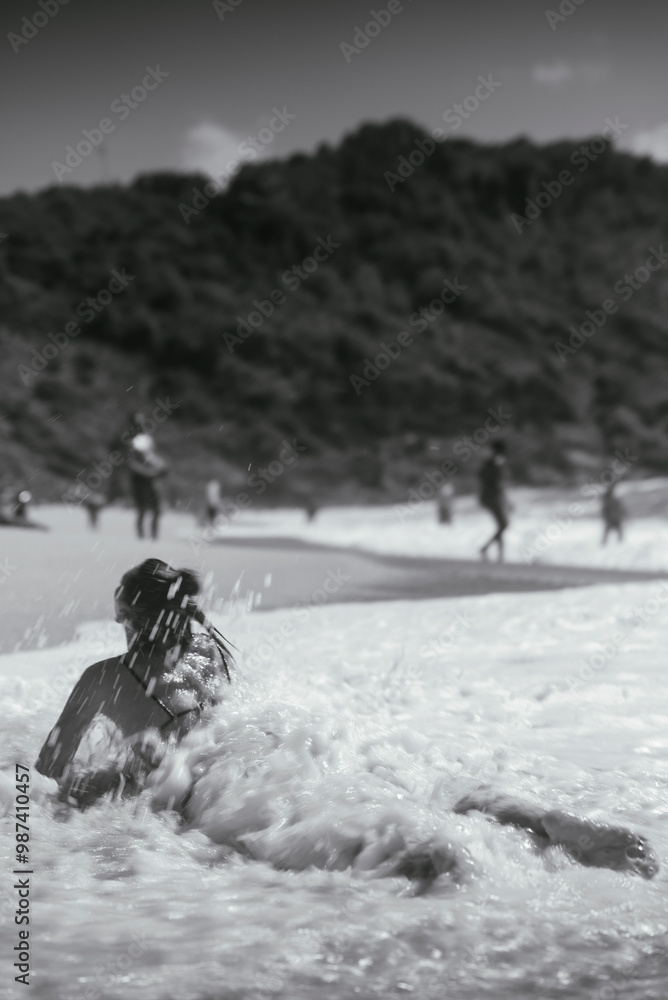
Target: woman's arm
82, 706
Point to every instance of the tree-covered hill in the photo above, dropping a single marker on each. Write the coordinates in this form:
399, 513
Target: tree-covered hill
261, 311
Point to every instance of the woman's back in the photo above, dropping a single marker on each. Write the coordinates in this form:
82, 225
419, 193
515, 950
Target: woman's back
159, 689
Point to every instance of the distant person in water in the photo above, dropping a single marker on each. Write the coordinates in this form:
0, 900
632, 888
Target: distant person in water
146, 469
94, 502
444, 503
613, 512
491, 477
214, 505
156, 691
310, 505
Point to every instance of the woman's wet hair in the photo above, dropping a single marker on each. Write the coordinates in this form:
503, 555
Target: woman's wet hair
158, 602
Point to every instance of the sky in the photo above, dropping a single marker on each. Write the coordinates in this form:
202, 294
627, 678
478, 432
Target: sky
235, 80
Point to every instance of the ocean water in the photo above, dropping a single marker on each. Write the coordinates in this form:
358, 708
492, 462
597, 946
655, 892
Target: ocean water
351, 738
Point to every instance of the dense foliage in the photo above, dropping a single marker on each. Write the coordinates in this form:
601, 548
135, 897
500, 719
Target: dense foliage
186, 265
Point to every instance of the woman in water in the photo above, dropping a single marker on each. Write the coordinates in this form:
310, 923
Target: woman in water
157, 690
160, 688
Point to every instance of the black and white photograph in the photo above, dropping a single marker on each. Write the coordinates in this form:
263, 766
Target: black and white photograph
334, 500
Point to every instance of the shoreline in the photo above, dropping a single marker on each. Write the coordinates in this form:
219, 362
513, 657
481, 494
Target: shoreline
57, 580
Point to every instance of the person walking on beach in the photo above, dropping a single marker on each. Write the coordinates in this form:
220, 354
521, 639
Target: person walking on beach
94, 502
214, 504
146, 469
444, 503
491, 476
613, 512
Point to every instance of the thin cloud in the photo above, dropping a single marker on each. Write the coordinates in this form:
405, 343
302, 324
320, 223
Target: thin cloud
652, 142
554, 75
210, 148
558, 73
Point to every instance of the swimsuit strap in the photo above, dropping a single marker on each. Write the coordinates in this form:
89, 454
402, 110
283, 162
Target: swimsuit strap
172, 715
197, 708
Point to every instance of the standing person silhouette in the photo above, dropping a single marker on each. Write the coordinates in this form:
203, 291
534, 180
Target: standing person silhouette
613, 512
94, 503
119, 481
444, 503
146, 468
214, 504
491, 477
